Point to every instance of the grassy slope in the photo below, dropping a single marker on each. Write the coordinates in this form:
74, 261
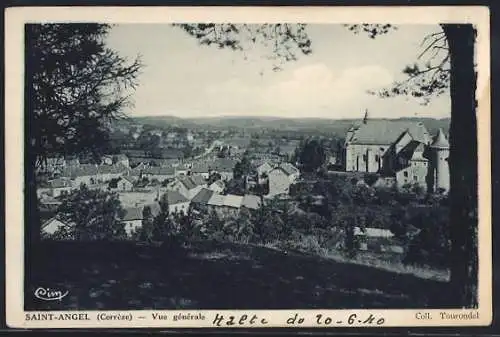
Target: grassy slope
209, 276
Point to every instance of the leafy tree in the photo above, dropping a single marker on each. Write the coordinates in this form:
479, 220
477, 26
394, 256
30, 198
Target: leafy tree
312, 155
239, 228
224, 152
450, 63
96, 215
398, 225
146, 231
235, 186
75, 86
280, 41
371, 178
261, 189
187, 151
149, 143
431, 246
214, 225
242, 168
187, 227
163, 226
213, 177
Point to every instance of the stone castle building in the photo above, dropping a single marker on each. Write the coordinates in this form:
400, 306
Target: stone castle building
400, 150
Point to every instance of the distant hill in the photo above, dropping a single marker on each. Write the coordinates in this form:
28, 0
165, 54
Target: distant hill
336, 126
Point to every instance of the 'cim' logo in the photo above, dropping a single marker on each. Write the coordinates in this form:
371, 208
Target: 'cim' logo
48, 294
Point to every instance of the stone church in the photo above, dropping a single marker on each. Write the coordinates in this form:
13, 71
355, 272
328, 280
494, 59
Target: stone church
401, 151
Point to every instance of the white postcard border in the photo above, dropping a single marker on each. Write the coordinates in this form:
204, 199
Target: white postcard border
14, 147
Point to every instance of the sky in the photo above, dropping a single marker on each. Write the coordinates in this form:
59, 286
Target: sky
184, 79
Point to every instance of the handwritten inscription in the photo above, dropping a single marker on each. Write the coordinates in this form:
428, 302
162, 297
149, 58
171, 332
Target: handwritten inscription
47, 294
241, 320
297, 320
328, 320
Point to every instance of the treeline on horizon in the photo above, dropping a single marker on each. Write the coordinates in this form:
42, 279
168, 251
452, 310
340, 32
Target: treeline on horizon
337, 126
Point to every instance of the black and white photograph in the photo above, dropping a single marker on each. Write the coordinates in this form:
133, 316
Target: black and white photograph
197, 167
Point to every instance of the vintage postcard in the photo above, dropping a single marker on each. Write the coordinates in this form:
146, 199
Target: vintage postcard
248, 167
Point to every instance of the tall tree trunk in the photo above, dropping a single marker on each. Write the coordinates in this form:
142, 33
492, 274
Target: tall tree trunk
463, 164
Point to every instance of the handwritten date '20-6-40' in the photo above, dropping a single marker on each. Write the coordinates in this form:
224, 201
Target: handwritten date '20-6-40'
295, 320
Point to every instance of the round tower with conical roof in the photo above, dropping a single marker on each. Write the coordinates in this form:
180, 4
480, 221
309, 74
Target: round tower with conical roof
440, 149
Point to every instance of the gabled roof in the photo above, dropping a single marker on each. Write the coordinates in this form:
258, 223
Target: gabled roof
218, 183
216, 200
159, 170
142, 183
53, 219
279, 170
79, 171
166, 170
119, 157
386, 132
111, 169
413, 150
224, 164
231, 200
193, 181
198, 180
251, 201
200, 168
265, 166
129, 179
133, 213
174, 197
53, 224
188, 183
289, 168
203, 196
418, 154
440, 140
